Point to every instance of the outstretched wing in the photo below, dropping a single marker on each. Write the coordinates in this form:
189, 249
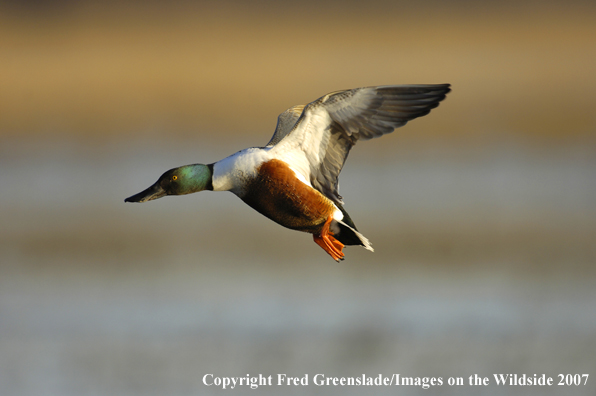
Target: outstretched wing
327, 128
285, 123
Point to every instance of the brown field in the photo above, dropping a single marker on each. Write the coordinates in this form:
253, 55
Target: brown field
82, 69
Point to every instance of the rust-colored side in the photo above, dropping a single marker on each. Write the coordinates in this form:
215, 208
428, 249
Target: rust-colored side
278, 194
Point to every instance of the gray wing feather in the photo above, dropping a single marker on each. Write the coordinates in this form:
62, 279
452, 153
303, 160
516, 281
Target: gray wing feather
324, 176
285, 123
374, 111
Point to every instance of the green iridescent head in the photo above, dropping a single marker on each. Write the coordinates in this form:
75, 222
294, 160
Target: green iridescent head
178, 181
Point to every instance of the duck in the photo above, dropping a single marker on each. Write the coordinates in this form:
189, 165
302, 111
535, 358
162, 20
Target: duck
293, 180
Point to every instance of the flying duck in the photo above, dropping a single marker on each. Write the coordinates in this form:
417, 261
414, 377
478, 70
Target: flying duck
293, 179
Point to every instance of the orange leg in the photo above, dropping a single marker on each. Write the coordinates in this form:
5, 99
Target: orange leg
329, 244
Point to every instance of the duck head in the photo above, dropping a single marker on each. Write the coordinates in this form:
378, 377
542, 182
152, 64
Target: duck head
178, 181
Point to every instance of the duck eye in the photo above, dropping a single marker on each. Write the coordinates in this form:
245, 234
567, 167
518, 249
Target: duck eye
174, 178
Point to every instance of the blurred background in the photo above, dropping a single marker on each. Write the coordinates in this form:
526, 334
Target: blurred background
482, 214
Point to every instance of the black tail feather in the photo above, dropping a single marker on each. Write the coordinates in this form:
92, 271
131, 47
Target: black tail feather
350, 236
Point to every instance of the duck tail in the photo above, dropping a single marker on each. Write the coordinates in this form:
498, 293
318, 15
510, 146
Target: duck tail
350, 236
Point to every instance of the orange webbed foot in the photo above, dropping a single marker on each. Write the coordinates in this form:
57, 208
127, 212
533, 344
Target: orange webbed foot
329, 244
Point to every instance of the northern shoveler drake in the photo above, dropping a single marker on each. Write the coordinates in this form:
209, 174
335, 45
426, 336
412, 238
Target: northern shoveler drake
293, 179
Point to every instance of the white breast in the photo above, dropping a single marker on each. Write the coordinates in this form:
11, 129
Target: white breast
232, 173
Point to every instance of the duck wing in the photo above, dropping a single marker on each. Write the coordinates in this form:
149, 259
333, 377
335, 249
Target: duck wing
285, 123
317, 143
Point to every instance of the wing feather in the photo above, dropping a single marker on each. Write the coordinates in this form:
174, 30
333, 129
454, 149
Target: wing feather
285, 123
326, 129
